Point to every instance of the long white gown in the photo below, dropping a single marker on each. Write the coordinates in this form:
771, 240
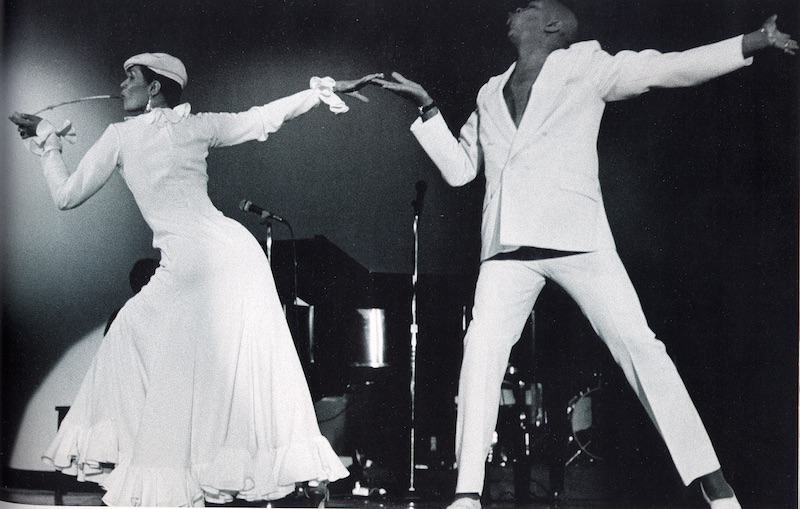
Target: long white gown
196, 392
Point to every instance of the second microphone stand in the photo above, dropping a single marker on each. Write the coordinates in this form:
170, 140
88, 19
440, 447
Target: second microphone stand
421, 186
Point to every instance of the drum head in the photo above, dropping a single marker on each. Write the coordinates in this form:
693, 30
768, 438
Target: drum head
585, 417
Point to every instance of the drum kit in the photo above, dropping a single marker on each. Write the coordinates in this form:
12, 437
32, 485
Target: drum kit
523, 422
526, 425
530, 420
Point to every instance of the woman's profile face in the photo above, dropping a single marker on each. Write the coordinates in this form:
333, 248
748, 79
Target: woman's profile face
135, 92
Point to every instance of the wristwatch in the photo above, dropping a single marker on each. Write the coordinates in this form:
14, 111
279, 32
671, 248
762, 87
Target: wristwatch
428, 107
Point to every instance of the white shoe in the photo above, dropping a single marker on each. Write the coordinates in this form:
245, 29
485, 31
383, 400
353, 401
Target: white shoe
721, 503
469, 503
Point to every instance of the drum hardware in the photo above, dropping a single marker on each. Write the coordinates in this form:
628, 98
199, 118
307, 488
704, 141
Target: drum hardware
521, 417
582, 415
519, 433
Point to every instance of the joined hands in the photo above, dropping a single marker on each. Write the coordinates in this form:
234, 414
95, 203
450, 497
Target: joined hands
352, 87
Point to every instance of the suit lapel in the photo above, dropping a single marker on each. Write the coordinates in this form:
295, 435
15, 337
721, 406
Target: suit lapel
496, 107
543, 100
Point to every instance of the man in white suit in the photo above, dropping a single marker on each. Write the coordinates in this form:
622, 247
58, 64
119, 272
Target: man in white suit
534, 133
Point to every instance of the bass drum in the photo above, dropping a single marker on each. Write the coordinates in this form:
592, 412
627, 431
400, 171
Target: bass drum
586, 417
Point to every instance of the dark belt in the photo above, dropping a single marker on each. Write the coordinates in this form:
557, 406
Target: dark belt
529, 253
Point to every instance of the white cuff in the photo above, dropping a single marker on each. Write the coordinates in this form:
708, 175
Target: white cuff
324, 87
48, 138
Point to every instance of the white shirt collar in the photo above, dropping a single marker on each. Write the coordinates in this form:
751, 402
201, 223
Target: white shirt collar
162, 116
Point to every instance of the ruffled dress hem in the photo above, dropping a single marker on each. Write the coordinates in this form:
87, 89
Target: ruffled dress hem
90, 454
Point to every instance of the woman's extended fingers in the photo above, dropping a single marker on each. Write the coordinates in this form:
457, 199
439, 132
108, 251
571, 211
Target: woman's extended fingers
17, 118
24, 119
358, 95
347, 86
369, 78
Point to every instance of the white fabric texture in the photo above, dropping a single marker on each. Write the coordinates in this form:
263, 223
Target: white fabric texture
196, 392
325, 87
543, 190
504, 297
542, 177
49, 138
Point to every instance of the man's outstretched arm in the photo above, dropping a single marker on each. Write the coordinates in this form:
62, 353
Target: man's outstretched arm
631, 73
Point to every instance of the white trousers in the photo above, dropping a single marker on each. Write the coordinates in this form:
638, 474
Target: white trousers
598, 282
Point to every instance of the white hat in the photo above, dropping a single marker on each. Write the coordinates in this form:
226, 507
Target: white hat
161, 63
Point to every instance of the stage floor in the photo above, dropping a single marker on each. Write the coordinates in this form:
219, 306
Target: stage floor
21, 498
586, 487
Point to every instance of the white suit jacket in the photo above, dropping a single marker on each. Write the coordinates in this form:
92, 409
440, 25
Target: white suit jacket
542, 186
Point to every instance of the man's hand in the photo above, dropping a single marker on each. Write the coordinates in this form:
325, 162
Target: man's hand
776, 38
768, 36
407, 89
26, 124
352, 87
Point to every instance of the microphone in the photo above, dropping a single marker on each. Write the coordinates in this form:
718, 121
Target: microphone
421, 187
248, 206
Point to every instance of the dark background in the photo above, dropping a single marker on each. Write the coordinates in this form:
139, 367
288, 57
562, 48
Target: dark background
700, 186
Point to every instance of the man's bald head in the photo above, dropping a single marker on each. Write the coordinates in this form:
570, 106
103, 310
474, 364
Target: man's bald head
538, 22
568, 29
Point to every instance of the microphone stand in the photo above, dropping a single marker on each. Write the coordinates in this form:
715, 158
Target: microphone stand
289, 308
268, 242
414, 329
417, 204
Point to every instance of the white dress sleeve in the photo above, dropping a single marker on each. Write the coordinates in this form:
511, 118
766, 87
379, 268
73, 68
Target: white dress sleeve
94, 170
259, 122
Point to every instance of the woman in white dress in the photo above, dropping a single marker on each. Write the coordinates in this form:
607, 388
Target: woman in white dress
196, 393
